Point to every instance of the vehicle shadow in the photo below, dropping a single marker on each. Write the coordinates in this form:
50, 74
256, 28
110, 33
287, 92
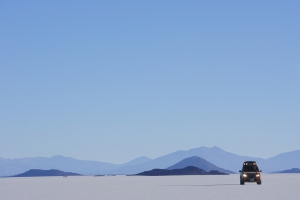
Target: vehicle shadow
202, 185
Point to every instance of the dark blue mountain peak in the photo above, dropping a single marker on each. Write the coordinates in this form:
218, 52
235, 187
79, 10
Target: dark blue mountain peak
40, 172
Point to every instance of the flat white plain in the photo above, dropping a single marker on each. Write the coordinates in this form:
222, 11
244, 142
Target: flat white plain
274, 186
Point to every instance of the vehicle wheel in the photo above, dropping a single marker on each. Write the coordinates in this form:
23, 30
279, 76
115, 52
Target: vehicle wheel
259, 183
241, 182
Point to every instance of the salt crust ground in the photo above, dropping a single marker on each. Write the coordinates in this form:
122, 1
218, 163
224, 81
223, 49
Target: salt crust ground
274, 186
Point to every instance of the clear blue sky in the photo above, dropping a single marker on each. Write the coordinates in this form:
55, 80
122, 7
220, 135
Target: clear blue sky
115, 80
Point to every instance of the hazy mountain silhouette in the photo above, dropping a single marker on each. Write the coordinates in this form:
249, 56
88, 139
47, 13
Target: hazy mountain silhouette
293, 170
190, 170
214, 155
218, 157
200, 163
40, 172
17, 166
283, 161
139, 160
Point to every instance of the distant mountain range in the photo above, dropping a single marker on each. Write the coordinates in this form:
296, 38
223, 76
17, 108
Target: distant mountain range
218, 157
10, 167
39, 172
190, 170
214, 155
200, 163
293, 170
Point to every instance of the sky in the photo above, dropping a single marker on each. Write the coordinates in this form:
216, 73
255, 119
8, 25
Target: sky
114, 80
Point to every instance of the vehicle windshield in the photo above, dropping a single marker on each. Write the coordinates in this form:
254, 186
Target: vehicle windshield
250, 168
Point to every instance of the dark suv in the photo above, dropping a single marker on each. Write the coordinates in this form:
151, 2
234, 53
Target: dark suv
250, 173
